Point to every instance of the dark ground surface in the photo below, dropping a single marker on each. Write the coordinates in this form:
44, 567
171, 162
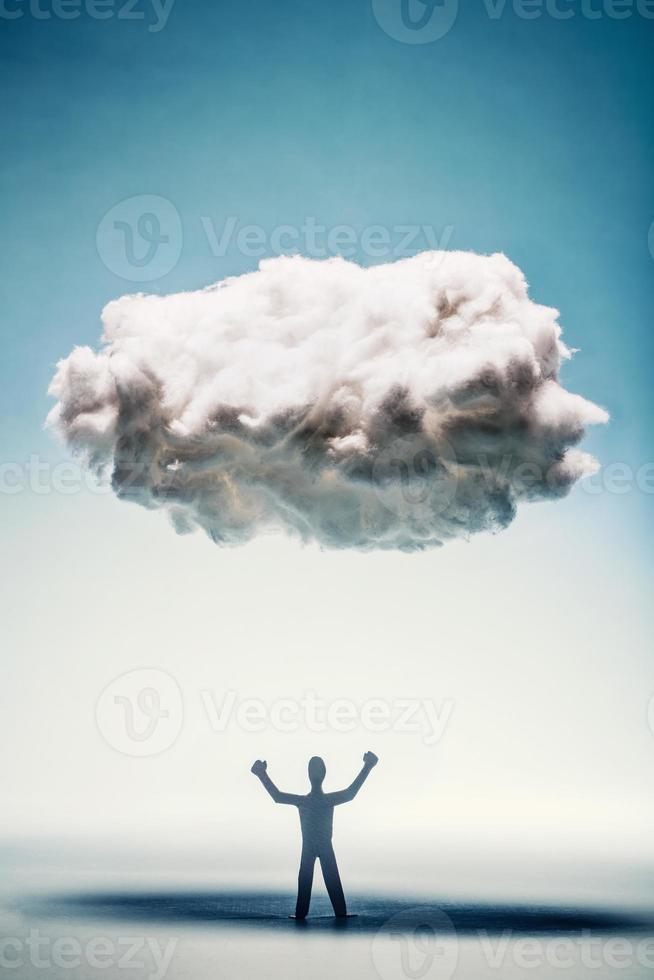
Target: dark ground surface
272, 911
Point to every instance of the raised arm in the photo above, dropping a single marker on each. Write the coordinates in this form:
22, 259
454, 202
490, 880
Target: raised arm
259, 769
370, 760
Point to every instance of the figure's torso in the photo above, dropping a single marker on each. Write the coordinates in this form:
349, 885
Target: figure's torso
316, 820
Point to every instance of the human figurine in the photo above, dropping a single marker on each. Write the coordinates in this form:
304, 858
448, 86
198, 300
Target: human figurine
316, 820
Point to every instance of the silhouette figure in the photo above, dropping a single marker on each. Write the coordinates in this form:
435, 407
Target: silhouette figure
316, 820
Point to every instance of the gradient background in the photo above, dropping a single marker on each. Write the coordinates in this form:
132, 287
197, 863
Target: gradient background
532, 137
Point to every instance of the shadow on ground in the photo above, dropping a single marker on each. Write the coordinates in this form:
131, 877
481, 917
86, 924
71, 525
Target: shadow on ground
271, 911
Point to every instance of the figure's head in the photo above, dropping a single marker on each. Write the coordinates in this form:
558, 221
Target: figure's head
317, 770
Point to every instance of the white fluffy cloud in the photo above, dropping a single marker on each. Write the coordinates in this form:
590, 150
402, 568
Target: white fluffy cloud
392, 407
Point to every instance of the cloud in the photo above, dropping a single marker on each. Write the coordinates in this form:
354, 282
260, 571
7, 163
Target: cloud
392, 407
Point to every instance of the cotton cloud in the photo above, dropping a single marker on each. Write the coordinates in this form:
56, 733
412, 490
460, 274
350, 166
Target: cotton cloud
392, 407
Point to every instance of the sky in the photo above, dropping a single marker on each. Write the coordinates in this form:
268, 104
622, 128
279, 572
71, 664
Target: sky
531, 137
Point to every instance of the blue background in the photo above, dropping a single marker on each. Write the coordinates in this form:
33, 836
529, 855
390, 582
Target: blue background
532, 137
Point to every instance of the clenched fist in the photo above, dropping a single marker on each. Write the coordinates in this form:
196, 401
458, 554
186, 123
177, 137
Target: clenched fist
370, 760
259, 767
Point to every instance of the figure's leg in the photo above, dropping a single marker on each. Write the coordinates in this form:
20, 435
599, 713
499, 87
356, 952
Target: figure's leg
304, 882
333, 880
